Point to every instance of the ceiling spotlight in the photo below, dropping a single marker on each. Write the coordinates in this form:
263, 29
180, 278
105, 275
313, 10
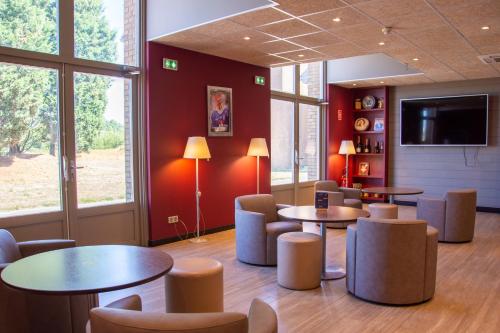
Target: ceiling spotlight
382, 82
415, 59
246, 38
300, 55
354, 84
337, 19
386, 30
486, 27
381, 43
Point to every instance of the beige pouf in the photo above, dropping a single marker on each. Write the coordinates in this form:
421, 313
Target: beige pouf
299, 260
195, 285
383, 211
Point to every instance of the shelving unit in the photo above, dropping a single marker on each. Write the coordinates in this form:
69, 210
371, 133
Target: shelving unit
342, 128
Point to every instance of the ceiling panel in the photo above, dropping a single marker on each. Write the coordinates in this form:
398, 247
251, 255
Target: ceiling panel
315, 39
288, 28
260, 17
298, 8
445, 35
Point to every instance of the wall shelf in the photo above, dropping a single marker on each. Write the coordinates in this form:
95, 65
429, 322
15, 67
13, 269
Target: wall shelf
368, 176
369, 132
369, 110
370, 154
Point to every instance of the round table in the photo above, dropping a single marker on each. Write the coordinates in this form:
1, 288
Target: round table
87, 269
332, 214
392, 191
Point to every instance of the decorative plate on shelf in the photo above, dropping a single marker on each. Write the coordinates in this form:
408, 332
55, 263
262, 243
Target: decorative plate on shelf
369, 102
361, 124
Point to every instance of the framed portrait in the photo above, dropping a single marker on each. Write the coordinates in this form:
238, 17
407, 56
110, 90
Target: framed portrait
378, 124
220, 111
364, 169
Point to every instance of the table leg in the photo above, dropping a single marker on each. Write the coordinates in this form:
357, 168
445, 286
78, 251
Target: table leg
391, 198
333, 272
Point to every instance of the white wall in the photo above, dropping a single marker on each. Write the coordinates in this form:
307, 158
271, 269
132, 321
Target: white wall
437, 169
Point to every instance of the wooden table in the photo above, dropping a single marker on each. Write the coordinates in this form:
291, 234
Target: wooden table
332, 214
392, 191
87, 270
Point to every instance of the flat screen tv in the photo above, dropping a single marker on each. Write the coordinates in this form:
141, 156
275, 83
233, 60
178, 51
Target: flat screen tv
445, 121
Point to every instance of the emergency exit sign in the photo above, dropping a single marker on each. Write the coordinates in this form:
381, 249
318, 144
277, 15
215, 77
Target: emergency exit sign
260, 80
170, 64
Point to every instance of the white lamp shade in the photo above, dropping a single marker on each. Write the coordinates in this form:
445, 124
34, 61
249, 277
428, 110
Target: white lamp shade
258, 147
347, 147
196, 147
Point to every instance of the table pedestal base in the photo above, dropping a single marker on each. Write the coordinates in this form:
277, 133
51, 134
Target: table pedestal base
333, 273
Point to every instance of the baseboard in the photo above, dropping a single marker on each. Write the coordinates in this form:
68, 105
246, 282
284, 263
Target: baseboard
478, 209
174, 239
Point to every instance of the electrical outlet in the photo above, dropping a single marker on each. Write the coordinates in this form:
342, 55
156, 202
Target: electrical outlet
173, 219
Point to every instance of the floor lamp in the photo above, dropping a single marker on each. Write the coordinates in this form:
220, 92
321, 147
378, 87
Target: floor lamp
258, 147
196, 148
347, 148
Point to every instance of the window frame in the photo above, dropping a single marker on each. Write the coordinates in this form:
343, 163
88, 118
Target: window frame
298, 99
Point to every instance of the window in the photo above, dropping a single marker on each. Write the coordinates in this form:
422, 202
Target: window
282, 142
29, 25
103, 139
283, 79
311, 79
111, 24
309, 142
296, 123
29, 139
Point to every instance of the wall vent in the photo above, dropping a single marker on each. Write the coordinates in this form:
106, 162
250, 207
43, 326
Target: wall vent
490, 58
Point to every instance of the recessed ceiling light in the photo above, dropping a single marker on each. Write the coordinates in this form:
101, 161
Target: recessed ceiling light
381, 43
485, 27
300, 55
337, 19
246, 38
382, 82
354, 84
415, 59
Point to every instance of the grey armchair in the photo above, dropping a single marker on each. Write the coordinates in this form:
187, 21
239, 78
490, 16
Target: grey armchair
339, 196
126, 316
391, 261
454, 216
22, 312
258, 227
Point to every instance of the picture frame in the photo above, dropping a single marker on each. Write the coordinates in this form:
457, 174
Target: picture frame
364, 169
378, 124
219, 111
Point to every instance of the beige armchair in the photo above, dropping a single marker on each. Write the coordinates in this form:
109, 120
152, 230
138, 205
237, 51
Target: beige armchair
25, 312
258, 227
391, 261
454, 216
339, 196
124, 316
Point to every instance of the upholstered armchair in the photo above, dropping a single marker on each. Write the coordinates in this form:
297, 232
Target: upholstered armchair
126, 316
26, 312
258, 227
454, 216
352, 196
391, 261
339, 196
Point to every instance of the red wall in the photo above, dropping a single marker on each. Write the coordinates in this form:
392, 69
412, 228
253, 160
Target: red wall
177, 109
337, 130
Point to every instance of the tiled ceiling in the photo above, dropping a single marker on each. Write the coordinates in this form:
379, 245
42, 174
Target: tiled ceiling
446, 36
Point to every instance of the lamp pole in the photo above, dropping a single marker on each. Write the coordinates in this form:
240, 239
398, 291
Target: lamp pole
258, 169
346, 184
198, 194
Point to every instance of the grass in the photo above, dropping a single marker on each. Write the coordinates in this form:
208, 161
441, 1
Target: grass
30, 181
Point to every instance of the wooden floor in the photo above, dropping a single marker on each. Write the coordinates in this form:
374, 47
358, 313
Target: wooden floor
467, 295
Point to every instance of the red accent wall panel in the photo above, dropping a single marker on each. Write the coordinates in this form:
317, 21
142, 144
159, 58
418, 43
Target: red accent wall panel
338, 129
177, 109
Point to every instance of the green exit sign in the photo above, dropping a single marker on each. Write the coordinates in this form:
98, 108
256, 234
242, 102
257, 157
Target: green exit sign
170, 64
260, 80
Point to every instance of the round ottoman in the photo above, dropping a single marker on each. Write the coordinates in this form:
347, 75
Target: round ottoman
299, 260
194, 285
383, 211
